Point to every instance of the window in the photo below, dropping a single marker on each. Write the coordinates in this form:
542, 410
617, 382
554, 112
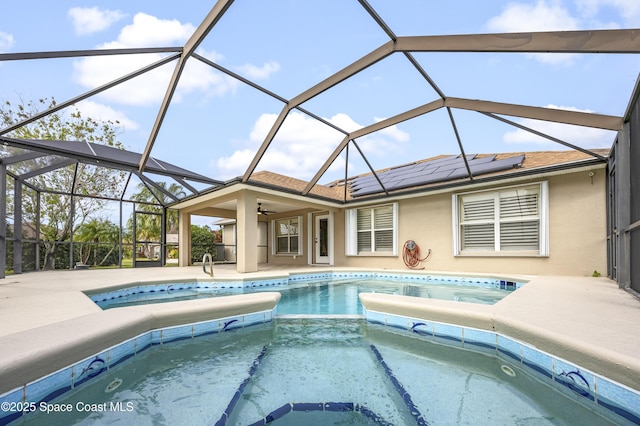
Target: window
508, 221
372, 230
287, 236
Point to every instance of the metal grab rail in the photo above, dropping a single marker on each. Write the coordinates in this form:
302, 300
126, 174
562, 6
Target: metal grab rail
204, 264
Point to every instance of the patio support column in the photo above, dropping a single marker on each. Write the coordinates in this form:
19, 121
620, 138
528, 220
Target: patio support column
247, 225
184, 238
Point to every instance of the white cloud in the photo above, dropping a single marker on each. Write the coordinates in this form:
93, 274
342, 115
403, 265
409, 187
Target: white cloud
552, 15
92, 20
6, 41
200, 78
143, 90
303, 144
345, 122
584, 137
382, 142
210, 54
105, 113
541, 16
628, 10
259, 73
393, 132
147, 30
149, 88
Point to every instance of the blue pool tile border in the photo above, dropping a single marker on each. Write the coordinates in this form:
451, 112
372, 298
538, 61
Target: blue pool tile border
280, 282
236, 396
406, 397
611, 399
291, 407
57, 383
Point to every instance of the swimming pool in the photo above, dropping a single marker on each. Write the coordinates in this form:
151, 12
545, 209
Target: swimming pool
315, 371
164, 330
319, 296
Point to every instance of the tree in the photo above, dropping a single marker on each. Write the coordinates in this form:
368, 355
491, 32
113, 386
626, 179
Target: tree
57, 221
202, 241
98, 231
148, 226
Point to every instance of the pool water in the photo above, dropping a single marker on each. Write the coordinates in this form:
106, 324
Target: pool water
316, 371
324, 297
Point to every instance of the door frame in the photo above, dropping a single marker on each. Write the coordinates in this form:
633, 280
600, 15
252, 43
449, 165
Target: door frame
314, 223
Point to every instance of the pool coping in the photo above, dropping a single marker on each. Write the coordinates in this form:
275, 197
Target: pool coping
588, 331
36, 353
610, 364
611, 399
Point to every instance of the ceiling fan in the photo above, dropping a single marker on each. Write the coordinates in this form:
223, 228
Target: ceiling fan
264, 211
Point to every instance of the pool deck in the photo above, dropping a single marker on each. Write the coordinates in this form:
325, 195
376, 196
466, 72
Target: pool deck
568, 316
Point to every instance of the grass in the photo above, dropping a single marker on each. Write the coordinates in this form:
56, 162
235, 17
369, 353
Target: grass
126, 263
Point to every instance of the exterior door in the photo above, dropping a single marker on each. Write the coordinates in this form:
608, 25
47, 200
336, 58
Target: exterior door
321, 239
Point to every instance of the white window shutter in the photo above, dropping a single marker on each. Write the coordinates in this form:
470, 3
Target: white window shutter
520, 219
477, 230
395, 229
300, 235
512, 219
372, 230
544, 218
274, 239
351, 231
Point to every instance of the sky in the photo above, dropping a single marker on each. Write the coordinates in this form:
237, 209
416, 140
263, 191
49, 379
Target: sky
215, 123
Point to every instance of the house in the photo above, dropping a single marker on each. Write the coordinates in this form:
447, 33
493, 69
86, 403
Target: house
528, 213
229, 249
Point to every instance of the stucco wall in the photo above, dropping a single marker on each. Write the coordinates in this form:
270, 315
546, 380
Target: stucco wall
577, 233
281, 259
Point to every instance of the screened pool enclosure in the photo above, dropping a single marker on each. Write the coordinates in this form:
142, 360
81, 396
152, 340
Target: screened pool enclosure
76, 203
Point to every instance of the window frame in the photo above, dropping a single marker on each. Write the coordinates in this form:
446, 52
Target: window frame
542, 217
352, 231
274, 236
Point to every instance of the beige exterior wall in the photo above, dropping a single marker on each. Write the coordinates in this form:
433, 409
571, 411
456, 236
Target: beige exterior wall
229, 241
276, 259
577, 232
184, 239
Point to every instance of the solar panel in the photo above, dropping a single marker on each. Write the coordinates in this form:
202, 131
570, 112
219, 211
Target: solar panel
498, 165
440, 170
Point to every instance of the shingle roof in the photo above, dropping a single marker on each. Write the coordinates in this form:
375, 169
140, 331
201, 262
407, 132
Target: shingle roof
525, 161
283, 181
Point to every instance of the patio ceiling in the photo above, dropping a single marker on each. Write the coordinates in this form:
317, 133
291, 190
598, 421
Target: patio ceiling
404, 48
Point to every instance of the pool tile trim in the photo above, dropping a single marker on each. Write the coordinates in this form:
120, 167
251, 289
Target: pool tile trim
57, 383
612, 400
406, 397
321, 406
236, 396
240, 284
